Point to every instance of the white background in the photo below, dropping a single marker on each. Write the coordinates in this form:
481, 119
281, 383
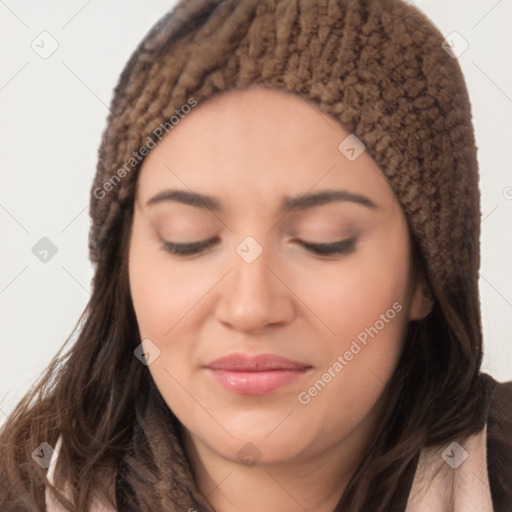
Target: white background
54, 110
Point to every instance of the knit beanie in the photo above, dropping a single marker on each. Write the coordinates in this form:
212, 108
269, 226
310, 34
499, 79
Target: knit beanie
380, 67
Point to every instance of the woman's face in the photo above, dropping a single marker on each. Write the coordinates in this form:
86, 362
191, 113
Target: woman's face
256, 289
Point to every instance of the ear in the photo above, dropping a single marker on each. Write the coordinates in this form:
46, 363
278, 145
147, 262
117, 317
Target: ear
422, 301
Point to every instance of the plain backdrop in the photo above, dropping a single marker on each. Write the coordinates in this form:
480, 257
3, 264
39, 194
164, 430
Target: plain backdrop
53, 111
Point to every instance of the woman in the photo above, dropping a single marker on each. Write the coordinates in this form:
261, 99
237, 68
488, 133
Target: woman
284, 311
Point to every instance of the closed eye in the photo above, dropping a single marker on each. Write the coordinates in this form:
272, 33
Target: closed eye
186, 249
341, 247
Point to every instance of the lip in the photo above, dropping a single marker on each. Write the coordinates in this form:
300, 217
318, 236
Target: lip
256, 375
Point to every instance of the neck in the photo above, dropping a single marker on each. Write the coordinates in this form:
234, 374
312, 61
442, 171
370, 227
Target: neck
314, 483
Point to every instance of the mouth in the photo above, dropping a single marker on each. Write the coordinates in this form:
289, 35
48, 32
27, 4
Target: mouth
256, 375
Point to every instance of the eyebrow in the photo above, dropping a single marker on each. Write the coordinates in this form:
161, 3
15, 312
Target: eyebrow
301, 202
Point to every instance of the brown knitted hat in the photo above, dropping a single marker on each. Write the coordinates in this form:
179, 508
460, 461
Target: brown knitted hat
379, 67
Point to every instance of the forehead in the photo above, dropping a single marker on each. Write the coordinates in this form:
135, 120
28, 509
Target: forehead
267, 142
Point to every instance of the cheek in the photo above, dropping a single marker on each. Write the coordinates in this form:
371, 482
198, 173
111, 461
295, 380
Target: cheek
162, 294
170, 302
163, 298
364, 302
352, 295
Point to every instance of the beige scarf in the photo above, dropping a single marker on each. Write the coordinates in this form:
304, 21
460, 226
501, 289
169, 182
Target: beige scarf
461, 482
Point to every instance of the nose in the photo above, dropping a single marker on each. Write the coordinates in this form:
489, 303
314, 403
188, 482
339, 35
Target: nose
255, 296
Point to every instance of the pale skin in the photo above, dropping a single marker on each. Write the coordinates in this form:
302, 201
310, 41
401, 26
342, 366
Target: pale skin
249, 149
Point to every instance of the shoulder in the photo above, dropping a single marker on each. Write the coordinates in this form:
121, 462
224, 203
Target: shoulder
499, 443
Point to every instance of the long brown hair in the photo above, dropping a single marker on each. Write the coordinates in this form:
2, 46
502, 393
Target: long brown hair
88, 393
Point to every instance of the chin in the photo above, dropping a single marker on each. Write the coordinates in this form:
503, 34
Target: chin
259, 451
251, 445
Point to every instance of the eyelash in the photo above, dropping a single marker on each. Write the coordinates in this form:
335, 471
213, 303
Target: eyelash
341, 247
